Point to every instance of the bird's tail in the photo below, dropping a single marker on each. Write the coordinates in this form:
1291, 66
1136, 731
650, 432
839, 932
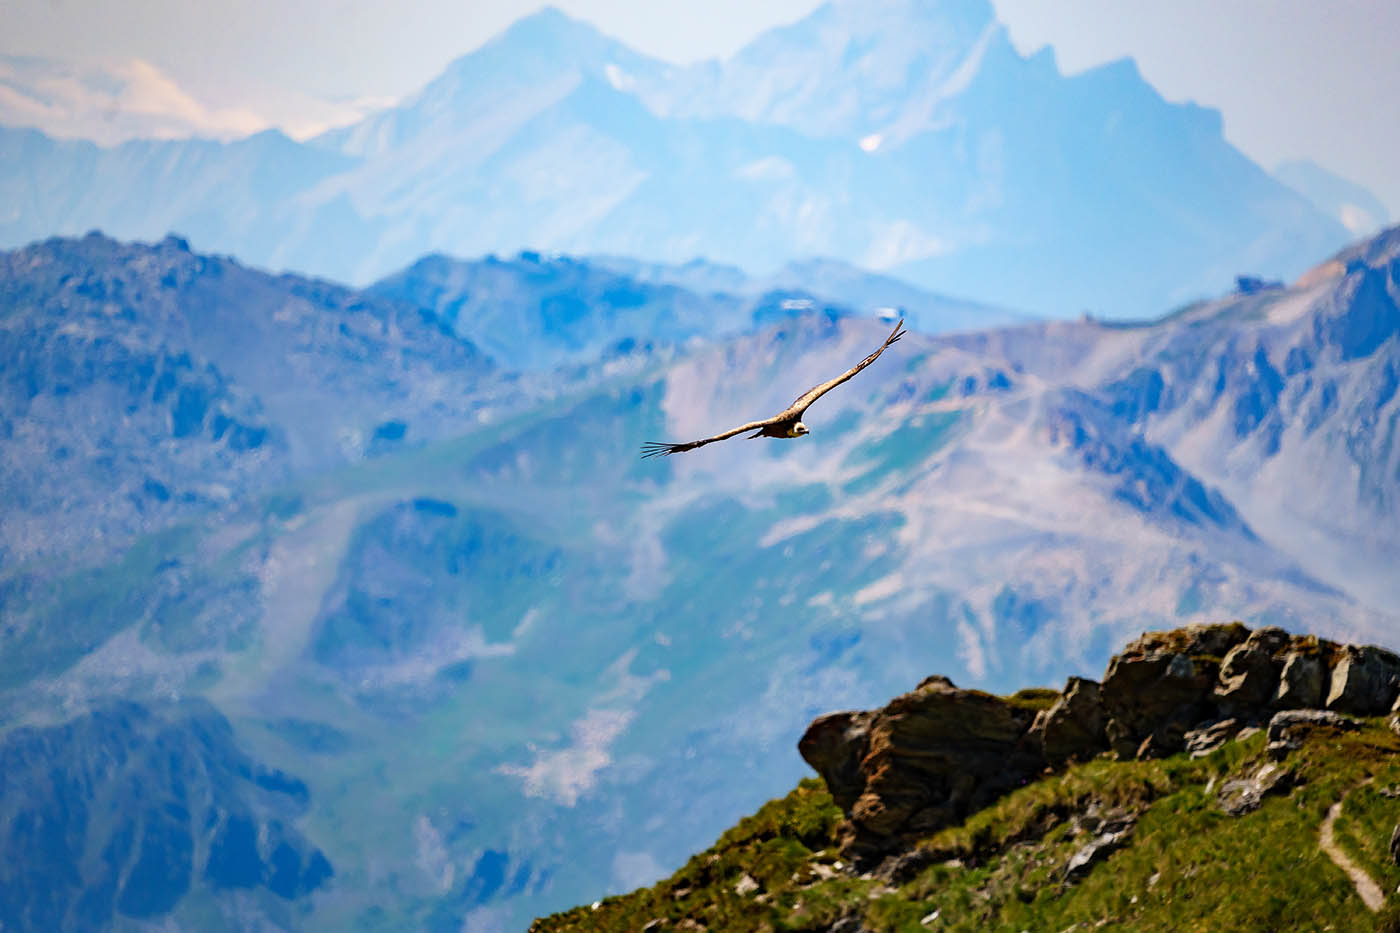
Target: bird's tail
657, 449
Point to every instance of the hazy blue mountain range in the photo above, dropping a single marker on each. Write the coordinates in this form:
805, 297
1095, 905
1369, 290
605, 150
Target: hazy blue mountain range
494, 666
537, 312
1355, 207
906, 137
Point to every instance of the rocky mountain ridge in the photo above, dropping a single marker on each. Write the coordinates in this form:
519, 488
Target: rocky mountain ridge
171, 383
539, 312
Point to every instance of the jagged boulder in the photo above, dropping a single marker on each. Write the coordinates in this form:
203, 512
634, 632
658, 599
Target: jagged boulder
1301, 681
1161, 685
1249, 673
927, 759
1073, 728
1364, 680
834, 745
1110, 838
1244, 795
1206, 739
1287, 728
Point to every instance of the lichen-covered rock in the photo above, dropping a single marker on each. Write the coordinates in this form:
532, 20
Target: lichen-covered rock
1249, 674
1161, 685
930, 757
1301, 681
1364, 680
1099, 848
834, 745
1243, 795
1206, 739
1073, 728
1286, 728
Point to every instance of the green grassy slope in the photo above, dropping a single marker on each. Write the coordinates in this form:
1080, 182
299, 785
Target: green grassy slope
1187, 865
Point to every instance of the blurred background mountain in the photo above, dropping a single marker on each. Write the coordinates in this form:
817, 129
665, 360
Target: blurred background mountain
914, 140
350, 606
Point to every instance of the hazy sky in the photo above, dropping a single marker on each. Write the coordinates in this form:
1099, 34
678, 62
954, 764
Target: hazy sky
1315, 79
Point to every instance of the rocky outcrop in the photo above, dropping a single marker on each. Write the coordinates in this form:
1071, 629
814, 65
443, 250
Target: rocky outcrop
1244, 795
1364, 680
935, 755
1286, 729
1073, 728
1249, 675
1161, 685
835, 745
926, 760
1301, 681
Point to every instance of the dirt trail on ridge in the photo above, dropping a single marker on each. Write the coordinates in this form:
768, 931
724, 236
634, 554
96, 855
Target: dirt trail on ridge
1370, 892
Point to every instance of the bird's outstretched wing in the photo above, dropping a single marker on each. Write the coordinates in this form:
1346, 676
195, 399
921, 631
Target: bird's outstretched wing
659, 449
811, 395
791, 413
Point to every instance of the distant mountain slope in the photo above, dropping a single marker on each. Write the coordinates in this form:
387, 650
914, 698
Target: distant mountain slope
1360, 211
535, 311
907, 138
159, 382
838, 282
207, 822
1287, 399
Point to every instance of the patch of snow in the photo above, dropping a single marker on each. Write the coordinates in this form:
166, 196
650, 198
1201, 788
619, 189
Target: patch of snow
1356, 219
619, 79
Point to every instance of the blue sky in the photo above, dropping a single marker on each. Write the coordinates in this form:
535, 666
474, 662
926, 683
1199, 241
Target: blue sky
1293, 78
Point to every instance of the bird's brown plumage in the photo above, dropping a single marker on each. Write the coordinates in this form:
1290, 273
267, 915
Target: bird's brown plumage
783, 420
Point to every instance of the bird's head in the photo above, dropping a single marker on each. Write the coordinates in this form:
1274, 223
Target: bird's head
799, 429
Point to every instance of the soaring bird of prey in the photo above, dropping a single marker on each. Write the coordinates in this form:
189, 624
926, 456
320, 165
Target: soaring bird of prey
786, 423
